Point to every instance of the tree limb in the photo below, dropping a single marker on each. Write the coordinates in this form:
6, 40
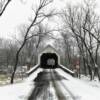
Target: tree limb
92, 34
4, 8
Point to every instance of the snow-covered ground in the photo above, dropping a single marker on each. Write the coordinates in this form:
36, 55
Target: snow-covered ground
79, 89
18, 91
94, 83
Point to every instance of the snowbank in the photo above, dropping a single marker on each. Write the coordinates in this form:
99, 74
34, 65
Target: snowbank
81, 90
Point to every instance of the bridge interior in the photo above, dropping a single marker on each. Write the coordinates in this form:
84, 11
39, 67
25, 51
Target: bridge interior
49, 61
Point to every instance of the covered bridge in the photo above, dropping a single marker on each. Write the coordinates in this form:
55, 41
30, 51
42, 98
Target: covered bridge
49, 58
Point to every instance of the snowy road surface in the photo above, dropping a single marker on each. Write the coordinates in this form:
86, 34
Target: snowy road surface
42, 90
50, 85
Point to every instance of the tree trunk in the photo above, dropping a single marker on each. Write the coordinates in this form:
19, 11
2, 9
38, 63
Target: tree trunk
16, 62
90, 72
15, 67
85, 67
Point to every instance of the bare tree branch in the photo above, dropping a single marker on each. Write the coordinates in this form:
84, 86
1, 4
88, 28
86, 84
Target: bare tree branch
41, 34
40, 7
4, 6
92, 34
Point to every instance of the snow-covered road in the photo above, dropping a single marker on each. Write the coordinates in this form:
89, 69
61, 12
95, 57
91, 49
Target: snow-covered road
43, 84
50, 85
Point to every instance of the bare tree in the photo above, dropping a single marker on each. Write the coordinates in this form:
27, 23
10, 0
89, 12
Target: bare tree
67, 45
7, 55
3, 5
30, 50
81, 21
36, 20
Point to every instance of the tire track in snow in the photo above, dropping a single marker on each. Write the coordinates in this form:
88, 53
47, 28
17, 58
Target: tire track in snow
46, 81
59, 85
40, 92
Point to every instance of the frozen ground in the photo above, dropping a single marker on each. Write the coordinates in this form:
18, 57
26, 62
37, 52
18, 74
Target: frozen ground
78, 89
94, 83
81, 90
18, 91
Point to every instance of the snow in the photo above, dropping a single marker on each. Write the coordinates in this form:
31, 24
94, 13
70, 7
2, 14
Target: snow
94, 83
53, 92
19, 91
33, 75
32, 69
67, 69
16, 91
81, 90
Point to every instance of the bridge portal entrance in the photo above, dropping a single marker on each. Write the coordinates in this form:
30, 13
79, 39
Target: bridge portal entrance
49, 60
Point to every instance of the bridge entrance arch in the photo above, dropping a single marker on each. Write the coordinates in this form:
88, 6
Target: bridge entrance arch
49, 60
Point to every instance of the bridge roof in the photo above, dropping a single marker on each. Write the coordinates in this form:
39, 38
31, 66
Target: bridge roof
49, 49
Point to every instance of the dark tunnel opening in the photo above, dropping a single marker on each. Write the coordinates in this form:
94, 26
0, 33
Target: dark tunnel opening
49, 60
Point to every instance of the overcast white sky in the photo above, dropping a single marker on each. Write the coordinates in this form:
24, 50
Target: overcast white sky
18, 13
